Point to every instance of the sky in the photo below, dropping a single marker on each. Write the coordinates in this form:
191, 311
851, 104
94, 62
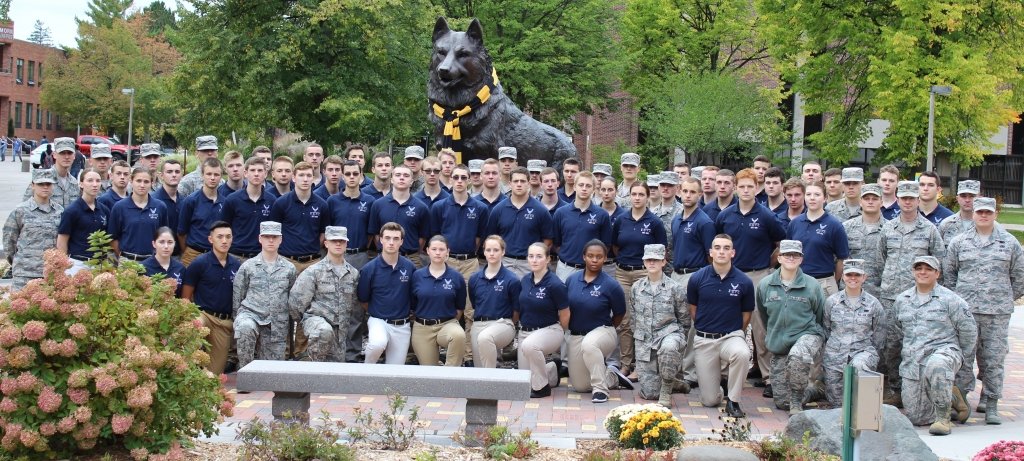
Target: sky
58, 15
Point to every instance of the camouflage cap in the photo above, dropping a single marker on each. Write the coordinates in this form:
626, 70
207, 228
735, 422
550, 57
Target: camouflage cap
43, 176
270, 228
602, 168
656, 251
791, 246
853, 174
668, 177
414, 152
476, 165
929, 260
63, 145
206, 142
652, 180
985, 203
871, 189
969, 186
336, 233
100, 151
150, 149
535, 166
696, 171
507, 152
853, 266
630, 158
908, 189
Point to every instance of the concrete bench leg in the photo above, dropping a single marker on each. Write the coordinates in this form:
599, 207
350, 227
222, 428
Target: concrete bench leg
480, 415
293, 403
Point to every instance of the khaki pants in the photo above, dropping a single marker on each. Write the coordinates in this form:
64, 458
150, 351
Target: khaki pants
533, 347
563, 271
467, 268
299, 346
517, 266
625, 329
489, 338
711, 355
427, 338
828, 285
189, 255
587, 354
758, 330
221, 332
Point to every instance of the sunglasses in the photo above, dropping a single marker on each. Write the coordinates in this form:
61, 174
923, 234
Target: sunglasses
350, 174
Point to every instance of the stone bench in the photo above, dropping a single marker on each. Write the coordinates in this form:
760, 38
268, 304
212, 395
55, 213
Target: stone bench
292, 382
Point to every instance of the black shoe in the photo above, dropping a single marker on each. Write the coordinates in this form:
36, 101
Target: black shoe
624, 382
693, 384
230, 367
758, 383
563, 371
725, 388
599, 397
541, 393
768, 392
754, 373
733, 409
468, 364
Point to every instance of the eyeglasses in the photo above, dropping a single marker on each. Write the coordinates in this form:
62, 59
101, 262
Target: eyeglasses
350, 174
432, 171
791, 255
460, 177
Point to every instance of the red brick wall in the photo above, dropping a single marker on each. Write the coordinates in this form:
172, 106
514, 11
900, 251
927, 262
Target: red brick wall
605, 128
12, 92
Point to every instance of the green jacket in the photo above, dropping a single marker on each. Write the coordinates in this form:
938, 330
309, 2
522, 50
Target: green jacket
790, 313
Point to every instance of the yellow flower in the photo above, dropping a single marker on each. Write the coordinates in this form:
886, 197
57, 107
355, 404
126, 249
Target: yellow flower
646, 441
655, 433
640, 426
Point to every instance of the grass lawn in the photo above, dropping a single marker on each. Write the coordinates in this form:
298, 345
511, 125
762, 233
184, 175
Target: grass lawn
1012, 216
1019, 235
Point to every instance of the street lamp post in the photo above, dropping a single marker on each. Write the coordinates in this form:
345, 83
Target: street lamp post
131, 114
935, 90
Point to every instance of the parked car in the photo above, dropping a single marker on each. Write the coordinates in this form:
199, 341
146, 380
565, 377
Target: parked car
86, 141
36, 157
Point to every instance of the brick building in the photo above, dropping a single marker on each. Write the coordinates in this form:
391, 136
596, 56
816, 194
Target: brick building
22, 66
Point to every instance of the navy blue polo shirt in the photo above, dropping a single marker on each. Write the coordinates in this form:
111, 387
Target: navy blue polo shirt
593, 304
172, 207
783, 216
272, 188
438, 298
754, 235
629, 236
110, 198
461, 225
133, 227
78, 221
539, 303
520, 227
495, 297
762, 198
413, 216
301, 223
892, 211
712, 209
720, 302
323, 193
784, 206
317, 184
209, 279
245, 217
386, 290
372, 191
354, 215
367, 180
561, 203
574, 228
223, 190
691, 240
197, 214
176, 270
422, 196
490, 204
937, 215
824, 240
567, 198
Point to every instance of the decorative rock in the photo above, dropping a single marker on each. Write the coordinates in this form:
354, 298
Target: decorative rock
898, 439
713, 453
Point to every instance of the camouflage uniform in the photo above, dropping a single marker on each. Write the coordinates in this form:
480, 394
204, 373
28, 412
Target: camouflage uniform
666, 213
260, 306
65, 190
661, 319
931, 355
190, 182
954, 225
989, 274
325, 296
856, 335
30, 230
866, 243
841, 210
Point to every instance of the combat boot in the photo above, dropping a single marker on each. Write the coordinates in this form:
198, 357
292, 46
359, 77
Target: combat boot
961, 409
992, 412
981, 405
942, 424
665, 399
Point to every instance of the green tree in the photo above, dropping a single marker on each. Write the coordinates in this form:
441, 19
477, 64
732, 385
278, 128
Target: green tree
855, 61
5, 10
102, 13
160, 17
555, 58
40, 34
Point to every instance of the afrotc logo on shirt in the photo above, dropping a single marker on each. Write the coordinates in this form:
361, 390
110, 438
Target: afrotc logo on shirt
646, 229
103, 220
403, 277
362, 207
735, 291
754, 224
266, 210
153, 214
314, 212
232, 276
529, 214
447, 285
689, 227
821, 229
470, 213
540, 293
595, 291
592, 219
410, 211
499, 285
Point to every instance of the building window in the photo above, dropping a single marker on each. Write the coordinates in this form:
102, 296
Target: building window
39, 80
59, 127
28, 115
49, 120
31, 72
20, 72
39, 118
17, 115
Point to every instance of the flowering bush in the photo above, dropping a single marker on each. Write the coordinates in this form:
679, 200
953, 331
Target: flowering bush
103, 358
1003, 450
644, 426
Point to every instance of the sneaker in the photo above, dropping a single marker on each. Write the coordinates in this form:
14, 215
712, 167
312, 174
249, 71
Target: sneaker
599, 397
624, 381
541, 393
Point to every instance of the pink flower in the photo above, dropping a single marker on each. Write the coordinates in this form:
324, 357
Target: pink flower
67, 424
82, 278
21, 357
49, 401
105, 384
54, 264
49, 347
127, 378
47, 429
68, 348
27, 381
48, 305
200, 358
103, 282
77, 330
139, 454
121, 294
121, 423
8, 405
227, 408
8, 386
78, 378
10, 335
148, 317
78, 395
37, 297
83, 414
34, 330
139, 397
80, 310
19, 306
29, 438
64, 295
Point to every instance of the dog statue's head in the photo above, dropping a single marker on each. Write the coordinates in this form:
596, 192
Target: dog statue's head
459, 63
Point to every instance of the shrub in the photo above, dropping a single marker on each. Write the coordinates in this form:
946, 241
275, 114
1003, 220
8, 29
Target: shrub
1003, 450
297, 440
106, 358
783, 448
644, 426
500, 443
391, 430
733, 429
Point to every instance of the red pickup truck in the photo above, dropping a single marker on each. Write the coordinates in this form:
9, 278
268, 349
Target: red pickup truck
85, 142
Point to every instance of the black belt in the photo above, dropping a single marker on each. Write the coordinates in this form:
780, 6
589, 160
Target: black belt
574, 266
304, 258
709, 335
352, 251
219, 315
687, 270
830, 274
578, 332
520, 258
133, 256
488, 319
627, 267
529, 329
407, 253
244, 255
397, 322
79, 258
430, 322
197, 249
754, 270
462, 257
